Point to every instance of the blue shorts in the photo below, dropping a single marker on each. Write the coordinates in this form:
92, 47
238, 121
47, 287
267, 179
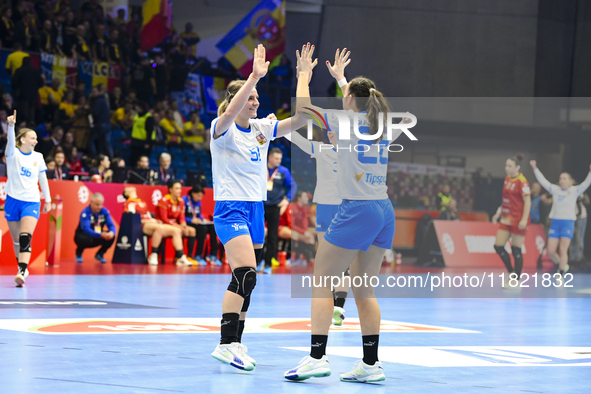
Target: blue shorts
561, 228
360, 224
234, 218
15, 210
324, 215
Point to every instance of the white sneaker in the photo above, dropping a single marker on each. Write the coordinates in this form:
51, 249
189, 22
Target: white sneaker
232, 354
508, 285
363, 373
309, 368
153, 259
183, 261
338, 315
19, 280
250, 359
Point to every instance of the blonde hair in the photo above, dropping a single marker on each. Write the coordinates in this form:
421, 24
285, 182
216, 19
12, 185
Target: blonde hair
231, 91
21, 133
361, 87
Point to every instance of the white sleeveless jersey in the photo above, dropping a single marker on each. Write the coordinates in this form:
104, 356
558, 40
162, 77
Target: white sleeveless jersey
239, 161
362, 166
326, 174
563, 201
23, 175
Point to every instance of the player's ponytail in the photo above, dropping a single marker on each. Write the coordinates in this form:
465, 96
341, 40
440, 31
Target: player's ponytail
373, 101
21, 133
231, 91
517, 159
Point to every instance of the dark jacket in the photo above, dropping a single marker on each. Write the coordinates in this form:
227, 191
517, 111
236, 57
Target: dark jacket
26, 82
100, 110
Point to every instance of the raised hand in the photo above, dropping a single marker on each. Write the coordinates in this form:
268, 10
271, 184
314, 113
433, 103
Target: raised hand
271, 116
533, 164
11, 120
304, 60
259, 65
341, 60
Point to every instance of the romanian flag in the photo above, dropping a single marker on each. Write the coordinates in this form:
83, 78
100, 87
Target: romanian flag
265, 24
157, 16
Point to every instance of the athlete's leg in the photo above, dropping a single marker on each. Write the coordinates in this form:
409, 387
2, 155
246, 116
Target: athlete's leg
27, 227
563, 253
15, 230
516, 244
500, 241
552, 247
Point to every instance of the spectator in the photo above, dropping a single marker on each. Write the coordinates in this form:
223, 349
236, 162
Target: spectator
534, 214
44, 130
67, 108
7, 27
46, 145
171, 210
74, 162
100, 47
424, 203
51, 97
80, 91
50, 163
59, 34
141, 79
123, 117
159, 133
194, 132
119, 20
3, 122
160, 77
142, 133
91, 229
443, 198
68, 141
114, 51
178, 118
116, 99
190, 39
26, 82
100, 137
577, 247
279, 182
46, 39
450, 212
165, 173
100, 171
202, 227
172, 129
60, 172
301, 231
80, 49
141, 174
25, 32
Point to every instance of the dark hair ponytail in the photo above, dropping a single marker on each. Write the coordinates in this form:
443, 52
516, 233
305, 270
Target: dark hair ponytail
374, 102
517, 159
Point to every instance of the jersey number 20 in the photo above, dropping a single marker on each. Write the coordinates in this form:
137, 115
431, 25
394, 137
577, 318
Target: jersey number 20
25, 172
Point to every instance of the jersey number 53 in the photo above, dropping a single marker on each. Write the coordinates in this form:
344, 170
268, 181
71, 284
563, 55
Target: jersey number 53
25, 172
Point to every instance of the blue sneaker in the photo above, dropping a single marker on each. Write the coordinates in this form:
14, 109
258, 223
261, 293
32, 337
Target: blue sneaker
100, 258
215, 261
261, 266
267, 270
78, 258
200, 260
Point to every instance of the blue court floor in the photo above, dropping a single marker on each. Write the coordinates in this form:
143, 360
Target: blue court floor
154, 333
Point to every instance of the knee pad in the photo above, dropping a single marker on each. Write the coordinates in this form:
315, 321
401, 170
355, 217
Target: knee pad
500, 250
516, 252
24, 239
244, 279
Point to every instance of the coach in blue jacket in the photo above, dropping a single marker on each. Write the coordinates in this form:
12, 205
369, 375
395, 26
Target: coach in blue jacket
280, 188
91, 230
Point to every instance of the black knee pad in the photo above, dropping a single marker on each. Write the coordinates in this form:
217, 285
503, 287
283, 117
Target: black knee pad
244, 279
516, 252
500, 250
24, 239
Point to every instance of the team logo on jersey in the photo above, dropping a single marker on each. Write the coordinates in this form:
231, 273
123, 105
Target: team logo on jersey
358, 176
261, 139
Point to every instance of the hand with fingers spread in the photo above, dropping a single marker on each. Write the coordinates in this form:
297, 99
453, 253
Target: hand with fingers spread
11, 120
259, 65
305, 65
341, 60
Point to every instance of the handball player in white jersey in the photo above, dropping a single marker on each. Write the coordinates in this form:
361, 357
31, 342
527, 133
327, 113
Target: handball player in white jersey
239, 146
563, 214
25, 168
357, 237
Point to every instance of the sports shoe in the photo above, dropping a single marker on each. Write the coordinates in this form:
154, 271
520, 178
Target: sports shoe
309, 368
153, 259
267, 270
19, 280
183, 261
363, 373
261, 266
274, 262
508, 285
560, 283
250, 359
78, 258
100, 258
232, 354
200, 261
192, 261
338, 316
215, 261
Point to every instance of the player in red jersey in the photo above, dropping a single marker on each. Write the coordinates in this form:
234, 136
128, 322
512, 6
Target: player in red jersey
152, 227
171, 210
514, 216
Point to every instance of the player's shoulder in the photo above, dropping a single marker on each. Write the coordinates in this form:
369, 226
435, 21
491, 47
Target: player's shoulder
522, 178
